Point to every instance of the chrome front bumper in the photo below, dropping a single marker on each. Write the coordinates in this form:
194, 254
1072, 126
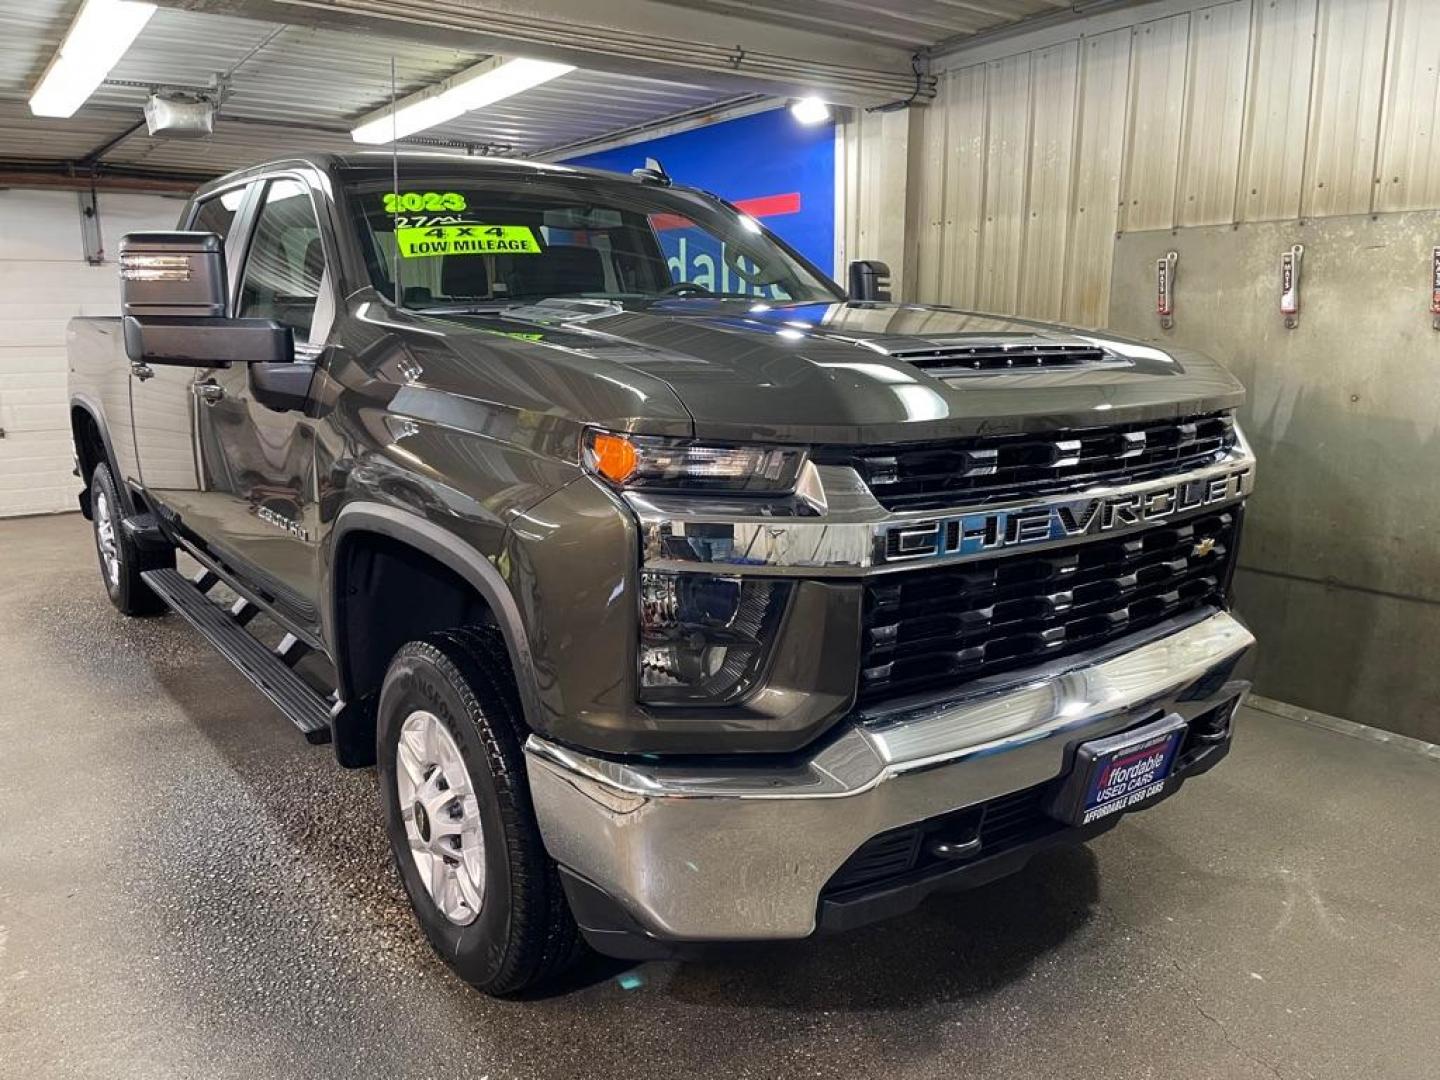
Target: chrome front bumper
728, 853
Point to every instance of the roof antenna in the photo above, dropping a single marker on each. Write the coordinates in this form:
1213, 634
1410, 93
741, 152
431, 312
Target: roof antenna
653, 173
394, 182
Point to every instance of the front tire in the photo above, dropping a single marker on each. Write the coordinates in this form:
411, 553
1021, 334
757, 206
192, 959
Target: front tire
120, 560
459, 817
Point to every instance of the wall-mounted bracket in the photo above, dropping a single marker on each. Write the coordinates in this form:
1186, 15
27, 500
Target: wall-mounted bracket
1165, 268
1435, 288
90, 238
1290, 285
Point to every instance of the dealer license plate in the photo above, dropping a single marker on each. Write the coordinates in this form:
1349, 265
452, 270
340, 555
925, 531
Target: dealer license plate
1125, 770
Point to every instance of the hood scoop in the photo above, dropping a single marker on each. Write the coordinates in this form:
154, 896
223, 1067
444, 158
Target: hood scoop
553, 311
1000, 354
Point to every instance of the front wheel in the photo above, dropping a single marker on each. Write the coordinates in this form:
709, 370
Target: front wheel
121, 561
459, 818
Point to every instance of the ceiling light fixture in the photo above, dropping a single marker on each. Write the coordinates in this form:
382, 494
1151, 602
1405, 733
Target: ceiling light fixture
810, 110
94, 44
484, 84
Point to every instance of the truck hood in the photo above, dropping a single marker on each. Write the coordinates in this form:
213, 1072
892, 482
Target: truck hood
830, 373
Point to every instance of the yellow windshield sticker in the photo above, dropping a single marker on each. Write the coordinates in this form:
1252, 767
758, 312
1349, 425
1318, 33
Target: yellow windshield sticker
467, 238
413, 202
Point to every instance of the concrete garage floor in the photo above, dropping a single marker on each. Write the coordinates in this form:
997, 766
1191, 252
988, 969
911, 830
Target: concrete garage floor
188, 889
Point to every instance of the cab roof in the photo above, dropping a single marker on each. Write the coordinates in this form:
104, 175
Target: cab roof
384, 161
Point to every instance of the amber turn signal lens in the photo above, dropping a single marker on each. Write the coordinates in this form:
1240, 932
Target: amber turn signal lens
613, 457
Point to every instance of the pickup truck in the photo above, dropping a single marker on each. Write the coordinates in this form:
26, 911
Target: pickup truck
679, 596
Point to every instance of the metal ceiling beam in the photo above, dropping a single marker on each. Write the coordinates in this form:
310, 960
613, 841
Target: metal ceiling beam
54, 174
1040, 30
635, 37
661, 127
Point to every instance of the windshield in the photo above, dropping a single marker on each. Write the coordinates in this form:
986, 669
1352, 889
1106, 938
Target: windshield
446, 241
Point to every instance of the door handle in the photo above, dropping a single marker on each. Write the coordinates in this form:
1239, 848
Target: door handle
141, 371
209, 392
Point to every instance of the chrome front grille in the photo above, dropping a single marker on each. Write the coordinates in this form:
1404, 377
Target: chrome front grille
955, 472
935, 628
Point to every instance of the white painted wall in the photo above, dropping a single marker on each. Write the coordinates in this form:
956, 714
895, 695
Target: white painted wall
44, 281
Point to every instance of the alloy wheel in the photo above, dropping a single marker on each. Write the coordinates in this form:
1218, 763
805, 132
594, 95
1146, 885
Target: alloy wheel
105, 539
441, 816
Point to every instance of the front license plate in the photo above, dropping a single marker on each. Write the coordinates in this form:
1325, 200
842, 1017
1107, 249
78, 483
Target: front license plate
1124, 770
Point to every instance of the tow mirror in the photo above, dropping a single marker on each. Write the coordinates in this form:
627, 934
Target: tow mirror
173, 274
173, 290
188, 341
869, 281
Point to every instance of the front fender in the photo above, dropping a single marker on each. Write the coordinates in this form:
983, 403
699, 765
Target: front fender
451, 549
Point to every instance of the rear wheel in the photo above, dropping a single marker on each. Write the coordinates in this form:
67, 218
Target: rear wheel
459, 818
120, 560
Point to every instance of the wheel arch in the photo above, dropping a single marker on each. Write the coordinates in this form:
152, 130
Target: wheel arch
360, 521
91, 439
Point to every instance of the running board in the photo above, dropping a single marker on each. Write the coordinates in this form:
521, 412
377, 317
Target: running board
225, 629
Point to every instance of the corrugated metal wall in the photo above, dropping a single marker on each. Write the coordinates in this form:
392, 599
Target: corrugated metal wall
1339, 576
871, 163
1027, 165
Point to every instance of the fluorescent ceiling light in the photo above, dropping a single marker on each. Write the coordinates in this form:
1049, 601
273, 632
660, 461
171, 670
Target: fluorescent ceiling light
484, 84
96, 41
810, 110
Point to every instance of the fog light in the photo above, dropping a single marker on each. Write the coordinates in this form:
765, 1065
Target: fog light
703, 637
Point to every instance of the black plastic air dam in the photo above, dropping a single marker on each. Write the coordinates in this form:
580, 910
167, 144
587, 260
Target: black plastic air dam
885, 899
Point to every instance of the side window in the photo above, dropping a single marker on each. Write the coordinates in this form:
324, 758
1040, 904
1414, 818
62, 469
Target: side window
286, 261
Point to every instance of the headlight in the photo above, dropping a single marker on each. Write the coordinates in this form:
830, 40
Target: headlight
703, 638
654, 463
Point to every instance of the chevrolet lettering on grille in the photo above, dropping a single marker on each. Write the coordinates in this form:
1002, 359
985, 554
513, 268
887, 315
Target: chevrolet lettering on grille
1091, 515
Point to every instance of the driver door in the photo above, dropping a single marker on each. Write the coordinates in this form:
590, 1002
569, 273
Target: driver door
257, 463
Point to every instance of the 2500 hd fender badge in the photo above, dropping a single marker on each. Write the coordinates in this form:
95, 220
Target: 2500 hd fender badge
993, 530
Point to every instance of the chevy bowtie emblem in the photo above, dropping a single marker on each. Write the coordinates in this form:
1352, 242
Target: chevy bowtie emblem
1203, 547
